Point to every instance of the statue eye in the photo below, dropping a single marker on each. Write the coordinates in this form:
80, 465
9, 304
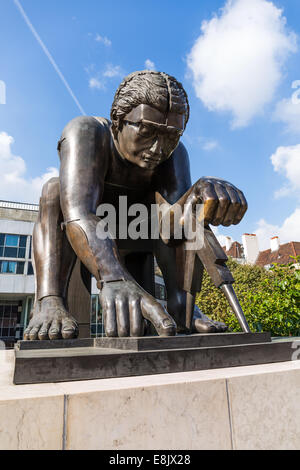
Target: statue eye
146, 131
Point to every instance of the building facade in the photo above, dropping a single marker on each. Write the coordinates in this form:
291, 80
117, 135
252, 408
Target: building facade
17, 284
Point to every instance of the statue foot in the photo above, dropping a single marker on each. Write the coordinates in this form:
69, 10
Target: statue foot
203, 324
51, 320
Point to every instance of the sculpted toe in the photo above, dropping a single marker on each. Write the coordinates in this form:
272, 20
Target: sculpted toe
43, 335
54, 333
26, 335
204, 327
221, 327
70, 332
33, 335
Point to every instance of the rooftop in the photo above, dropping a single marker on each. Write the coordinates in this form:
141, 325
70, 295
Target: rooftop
280, 256
235, 251
19, 205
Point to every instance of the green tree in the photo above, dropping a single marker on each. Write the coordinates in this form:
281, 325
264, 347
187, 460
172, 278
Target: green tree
270, 299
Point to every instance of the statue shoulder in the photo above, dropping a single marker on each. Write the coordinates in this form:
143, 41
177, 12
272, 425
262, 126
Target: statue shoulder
180, 153
179, 158
88, 127
103, 121
83, 123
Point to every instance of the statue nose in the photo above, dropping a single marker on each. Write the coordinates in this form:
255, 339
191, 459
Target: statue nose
157, 146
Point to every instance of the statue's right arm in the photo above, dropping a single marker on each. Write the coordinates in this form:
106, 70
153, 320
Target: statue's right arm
84, 153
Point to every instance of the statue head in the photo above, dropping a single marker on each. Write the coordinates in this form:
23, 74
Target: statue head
149, 114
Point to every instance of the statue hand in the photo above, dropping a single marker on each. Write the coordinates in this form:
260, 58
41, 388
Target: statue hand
224, 204
125, 306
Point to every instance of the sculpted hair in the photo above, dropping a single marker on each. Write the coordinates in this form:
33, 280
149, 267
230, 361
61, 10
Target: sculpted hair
157, 89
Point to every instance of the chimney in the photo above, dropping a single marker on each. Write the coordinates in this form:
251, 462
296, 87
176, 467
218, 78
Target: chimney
274, 244
228, 243
251, 249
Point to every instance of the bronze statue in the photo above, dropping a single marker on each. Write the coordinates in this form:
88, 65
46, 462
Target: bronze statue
137, 154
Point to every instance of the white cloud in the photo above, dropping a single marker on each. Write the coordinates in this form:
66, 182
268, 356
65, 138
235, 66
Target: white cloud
95, 83
2, 92
287, 232
98, 79
237, 61
210, 145
113, 71
221, 238
150, 65
288, 112
103, 39
286, 160
15, 185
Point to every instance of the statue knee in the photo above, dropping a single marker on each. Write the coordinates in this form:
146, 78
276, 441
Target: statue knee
50, 193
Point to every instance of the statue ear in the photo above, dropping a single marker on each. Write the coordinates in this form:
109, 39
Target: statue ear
115, 124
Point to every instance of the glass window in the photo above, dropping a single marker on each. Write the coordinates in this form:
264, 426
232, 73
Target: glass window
9, 319
13, 246
7, 311
21, 253
12, 240
30, 247
8, 267
30, 269
23, 240
20, 267
96, 325
93, 310
11, 252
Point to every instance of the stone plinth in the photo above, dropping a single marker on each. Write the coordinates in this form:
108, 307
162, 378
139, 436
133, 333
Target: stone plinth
253, 407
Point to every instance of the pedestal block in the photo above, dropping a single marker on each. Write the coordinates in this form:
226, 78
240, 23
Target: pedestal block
252, 407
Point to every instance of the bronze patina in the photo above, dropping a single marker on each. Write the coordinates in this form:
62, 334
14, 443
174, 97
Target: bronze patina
137, 154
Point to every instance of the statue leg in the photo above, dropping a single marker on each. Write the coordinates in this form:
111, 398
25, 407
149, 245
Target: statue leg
177, 297
54, 260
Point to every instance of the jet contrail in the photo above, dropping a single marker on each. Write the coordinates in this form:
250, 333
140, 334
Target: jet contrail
34, 32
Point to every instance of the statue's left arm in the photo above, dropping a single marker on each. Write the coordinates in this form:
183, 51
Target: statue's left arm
224, 203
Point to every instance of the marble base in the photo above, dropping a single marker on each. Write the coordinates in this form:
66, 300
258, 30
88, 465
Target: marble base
253, 407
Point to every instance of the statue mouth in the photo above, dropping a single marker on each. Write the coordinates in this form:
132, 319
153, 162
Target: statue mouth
150, 158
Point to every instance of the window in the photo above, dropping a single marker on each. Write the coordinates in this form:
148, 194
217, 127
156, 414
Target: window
10, 315
160, 292
30, 247
96, 320
30, 269
12, 267
12, 246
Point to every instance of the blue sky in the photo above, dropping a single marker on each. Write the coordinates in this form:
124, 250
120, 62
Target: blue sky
238, 69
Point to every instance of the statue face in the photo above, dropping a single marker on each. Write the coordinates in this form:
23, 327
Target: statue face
148, 137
